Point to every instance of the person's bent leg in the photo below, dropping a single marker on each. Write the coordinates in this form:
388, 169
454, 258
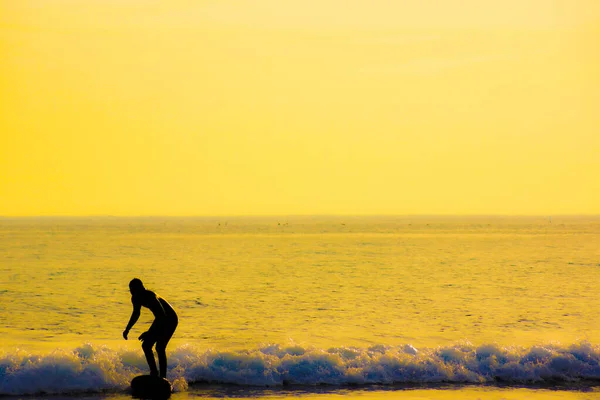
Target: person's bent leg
147, 347
161, 350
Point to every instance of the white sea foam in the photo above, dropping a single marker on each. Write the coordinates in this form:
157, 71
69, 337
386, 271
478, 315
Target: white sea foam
100, 369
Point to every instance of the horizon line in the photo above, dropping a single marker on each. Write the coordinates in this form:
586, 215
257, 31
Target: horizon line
548, 215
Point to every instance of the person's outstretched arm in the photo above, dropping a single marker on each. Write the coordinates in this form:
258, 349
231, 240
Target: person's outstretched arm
135, 314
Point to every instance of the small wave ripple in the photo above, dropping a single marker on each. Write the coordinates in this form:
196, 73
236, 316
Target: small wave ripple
90, 368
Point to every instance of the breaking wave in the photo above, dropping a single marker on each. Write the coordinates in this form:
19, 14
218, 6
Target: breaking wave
90, 368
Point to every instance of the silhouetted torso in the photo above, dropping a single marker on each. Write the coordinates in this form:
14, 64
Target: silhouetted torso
162, 310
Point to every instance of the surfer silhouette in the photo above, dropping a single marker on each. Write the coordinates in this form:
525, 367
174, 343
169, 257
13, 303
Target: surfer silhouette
161, 330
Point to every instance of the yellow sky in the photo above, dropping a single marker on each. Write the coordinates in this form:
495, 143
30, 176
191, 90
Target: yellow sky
140, 107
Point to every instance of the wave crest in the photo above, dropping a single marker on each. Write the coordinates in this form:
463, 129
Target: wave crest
90, 368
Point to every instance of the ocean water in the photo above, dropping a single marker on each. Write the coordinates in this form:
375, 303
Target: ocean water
311, 307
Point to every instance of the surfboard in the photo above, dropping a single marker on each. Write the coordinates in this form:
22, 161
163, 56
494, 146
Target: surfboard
150, 387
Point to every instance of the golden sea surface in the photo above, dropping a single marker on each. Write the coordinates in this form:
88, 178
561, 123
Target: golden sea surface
360, 281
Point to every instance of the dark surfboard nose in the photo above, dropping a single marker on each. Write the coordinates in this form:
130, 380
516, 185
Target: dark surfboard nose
150, 387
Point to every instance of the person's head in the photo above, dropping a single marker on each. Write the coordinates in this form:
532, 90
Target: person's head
136, 286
